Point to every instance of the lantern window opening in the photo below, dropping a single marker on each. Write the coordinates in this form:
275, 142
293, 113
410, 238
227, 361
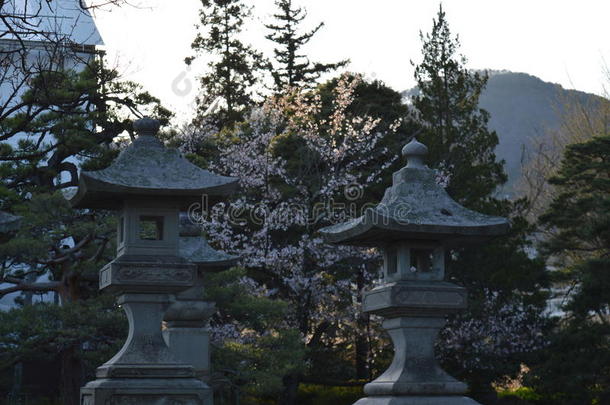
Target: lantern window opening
391, 260
422, 259
122, 230
151, 227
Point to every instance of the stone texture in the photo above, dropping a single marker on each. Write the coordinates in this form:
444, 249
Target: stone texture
147, 169
414, 298
417, 400
145, 391
192, 345
417, 207
166, 274
144, 353
414, 369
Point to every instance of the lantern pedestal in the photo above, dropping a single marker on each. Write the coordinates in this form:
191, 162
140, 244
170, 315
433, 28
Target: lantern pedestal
187, 333
417, 400
414, 313
145, 371
191, 345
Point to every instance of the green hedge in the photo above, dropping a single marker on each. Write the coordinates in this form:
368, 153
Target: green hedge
311, 394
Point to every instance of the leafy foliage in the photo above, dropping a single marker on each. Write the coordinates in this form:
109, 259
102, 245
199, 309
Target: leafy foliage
299, 159
253, 348
93, 329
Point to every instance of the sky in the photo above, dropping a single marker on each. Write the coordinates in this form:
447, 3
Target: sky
565, 42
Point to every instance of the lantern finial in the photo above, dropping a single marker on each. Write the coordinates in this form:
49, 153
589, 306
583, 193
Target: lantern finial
415, 152
146, 126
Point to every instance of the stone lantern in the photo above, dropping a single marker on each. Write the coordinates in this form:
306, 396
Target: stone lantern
186, 320
414, 226
149, 185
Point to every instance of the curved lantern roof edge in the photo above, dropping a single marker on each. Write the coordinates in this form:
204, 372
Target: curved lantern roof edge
145, 169
93, 193
366, 232
416, 207
196, 249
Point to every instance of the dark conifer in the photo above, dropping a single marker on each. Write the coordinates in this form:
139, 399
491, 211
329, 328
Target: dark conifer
292, 68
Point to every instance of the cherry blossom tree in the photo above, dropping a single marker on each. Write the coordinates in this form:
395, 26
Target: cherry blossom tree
299, 171
497, 338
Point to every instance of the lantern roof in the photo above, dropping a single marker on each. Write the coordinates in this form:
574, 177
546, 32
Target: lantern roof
195, 248
9, 222
416, 207
148, 169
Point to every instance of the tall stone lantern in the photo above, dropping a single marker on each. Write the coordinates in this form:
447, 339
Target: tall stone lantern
414, 226
186, 320
149, 185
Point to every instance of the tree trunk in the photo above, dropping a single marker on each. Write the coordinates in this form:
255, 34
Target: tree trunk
71, 376
362, 348
362, 342
483, 392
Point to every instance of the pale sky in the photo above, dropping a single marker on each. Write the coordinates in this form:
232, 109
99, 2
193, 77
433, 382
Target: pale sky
566, 42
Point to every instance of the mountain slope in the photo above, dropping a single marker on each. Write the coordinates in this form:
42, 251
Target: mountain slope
523, 107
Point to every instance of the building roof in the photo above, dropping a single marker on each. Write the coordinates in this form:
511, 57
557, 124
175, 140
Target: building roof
9, 222
42, 21
415, 207
147, 169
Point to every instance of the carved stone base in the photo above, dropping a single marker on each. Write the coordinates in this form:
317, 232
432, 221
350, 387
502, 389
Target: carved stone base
414, 369
417, 400
146, 391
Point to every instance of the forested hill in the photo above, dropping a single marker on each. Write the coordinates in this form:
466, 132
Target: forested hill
523, 107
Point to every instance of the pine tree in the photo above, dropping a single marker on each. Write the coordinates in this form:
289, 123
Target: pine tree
227, 87
63, 122
292, 69
579, 217
455, 127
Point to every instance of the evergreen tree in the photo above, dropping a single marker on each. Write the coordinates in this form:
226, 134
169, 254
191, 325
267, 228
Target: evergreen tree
292, 69
227, 87
579, 217
252, 347
500, 274
455, 130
